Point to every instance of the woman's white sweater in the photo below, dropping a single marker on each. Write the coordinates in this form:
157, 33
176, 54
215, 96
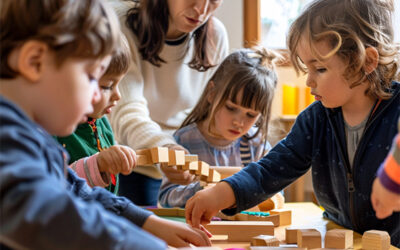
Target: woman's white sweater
155, 100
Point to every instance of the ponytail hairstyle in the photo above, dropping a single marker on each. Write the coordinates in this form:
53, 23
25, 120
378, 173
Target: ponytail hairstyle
249, 70
149, 22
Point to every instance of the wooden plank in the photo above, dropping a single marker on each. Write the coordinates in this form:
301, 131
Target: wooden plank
240, 230
226, 171
175, 212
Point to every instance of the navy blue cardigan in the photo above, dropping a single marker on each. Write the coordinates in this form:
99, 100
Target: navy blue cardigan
318, 140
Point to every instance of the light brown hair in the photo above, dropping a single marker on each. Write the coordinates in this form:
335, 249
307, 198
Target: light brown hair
250, 70
350, 27
121, 59
82, 29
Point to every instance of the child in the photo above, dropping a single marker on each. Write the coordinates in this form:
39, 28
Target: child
53, 53
93, 153
385, 196
348, 51
220, 129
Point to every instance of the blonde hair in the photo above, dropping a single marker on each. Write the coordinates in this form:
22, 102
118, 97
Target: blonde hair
350, 27
82, 29
250, 70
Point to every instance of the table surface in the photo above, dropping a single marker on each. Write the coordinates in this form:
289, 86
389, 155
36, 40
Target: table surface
304, 215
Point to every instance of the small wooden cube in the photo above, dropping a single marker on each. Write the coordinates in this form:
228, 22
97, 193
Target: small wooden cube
309, 238
202, 169
265, 240
213, 176
176, 157
375, 240
339, 238
291, 235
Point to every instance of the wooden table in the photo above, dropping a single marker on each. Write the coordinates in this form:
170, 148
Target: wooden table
304, 215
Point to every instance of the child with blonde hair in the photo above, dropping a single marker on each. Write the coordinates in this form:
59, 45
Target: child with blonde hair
92, 150
53, 53
229, 124
347, 49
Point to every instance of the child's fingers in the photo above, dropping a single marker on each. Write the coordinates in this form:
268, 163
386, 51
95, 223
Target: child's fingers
129, 160
209, 235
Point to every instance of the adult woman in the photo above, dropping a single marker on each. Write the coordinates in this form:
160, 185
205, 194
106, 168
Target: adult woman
175, 46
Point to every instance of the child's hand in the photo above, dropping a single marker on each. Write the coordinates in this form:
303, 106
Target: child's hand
174, 175
206, 203
117, 159
384, 201
176, 234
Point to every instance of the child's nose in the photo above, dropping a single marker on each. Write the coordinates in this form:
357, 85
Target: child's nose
310, 82
238, 122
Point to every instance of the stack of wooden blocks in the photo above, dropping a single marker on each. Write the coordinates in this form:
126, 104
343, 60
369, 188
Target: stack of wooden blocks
169, 157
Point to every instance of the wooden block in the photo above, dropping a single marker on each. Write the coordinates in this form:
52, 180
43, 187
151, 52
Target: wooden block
198, 248
240, 230
339, 238
202, 169
191, 157
192, 166
308, 238
285, 216
265, 240
143, 160
177, 212
247, 217
159, 155
154, 155
226, 171
213, 176
375, 240
291, 235
176, 157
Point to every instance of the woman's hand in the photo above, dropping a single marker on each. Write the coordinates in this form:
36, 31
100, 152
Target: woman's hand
176, 234
117, 159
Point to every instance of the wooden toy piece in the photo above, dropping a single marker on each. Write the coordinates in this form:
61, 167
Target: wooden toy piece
190, 158
240, 230
276, 248
152, 156
203, 168
250, 217
291, 235
176, 212
176, 157
308, 238
376, 240
198, 248
265, 240
213, 176
339, 238
285, 216
226, 171
192, 166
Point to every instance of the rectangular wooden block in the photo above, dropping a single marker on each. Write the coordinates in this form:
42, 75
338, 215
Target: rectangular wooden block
191, 157
240, 230
226, 171
339, 238
375, 240
265, 240
309, 238
285, 216
176, 157
202, 169
247, 217
154, 155
192, 166
143, 160
176, 212
291, 235
213, 176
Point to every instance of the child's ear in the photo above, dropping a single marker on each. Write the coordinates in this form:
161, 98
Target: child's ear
30, 58
371, 61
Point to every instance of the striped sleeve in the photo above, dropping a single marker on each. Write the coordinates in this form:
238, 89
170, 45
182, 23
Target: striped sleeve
87, 169
389, 172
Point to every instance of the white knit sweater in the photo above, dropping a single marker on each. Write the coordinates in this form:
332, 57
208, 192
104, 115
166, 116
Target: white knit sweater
155, 100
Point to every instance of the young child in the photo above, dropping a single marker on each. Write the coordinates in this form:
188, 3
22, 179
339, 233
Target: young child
348, 51
385, 196
220, 129
53, 53
93, 153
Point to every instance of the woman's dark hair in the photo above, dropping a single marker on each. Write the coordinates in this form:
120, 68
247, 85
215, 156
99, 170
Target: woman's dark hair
148, 20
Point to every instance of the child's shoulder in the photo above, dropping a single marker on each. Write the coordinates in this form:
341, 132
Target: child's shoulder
187, 133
